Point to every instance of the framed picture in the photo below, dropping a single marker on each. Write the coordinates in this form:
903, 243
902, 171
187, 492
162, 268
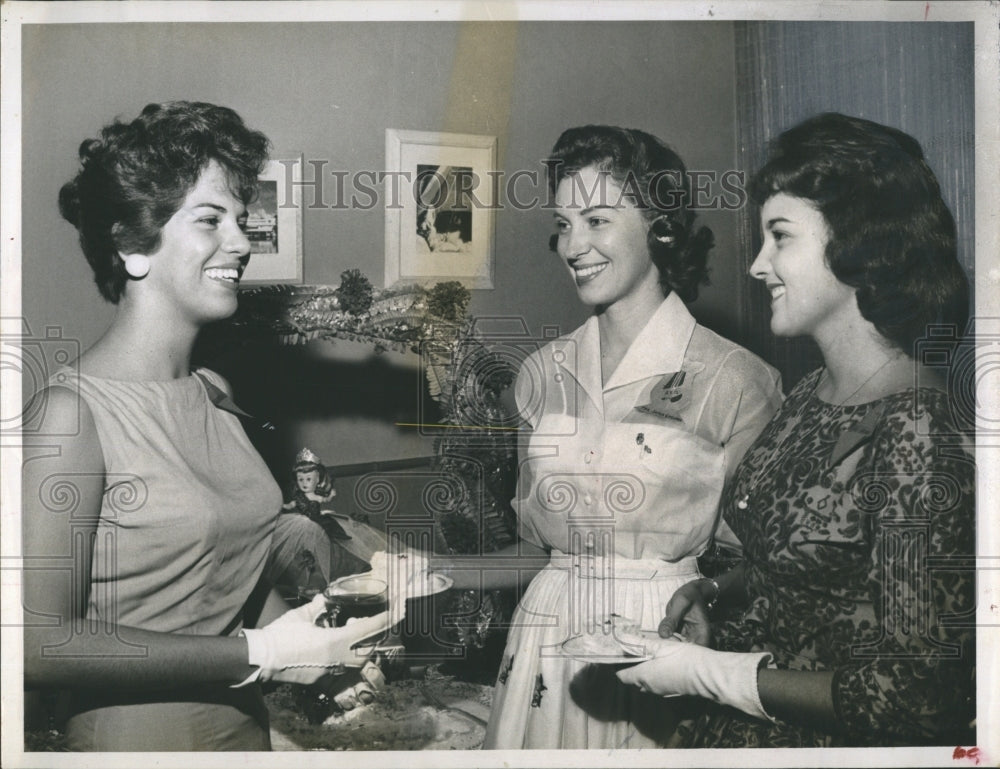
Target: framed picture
274, 225
439, 213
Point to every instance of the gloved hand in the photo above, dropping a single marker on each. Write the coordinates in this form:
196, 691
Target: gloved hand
406, 576
729, 678
293, 650
307, 611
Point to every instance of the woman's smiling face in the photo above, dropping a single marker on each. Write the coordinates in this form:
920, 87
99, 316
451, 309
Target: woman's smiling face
807, 299
203, 251
602, 238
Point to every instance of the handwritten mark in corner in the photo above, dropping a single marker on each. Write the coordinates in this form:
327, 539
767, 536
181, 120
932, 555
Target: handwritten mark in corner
969, 754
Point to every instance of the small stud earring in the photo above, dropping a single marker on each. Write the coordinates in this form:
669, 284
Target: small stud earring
136, 265
663, 230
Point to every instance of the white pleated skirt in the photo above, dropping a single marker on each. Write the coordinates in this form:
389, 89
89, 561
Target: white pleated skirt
546, 700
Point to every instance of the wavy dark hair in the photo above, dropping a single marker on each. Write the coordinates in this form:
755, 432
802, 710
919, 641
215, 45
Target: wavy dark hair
891, 235
135, 175
655, 178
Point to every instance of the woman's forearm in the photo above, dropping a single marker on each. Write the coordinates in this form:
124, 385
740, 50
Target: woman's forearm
732, 587
801, 697
510, 568
120, 657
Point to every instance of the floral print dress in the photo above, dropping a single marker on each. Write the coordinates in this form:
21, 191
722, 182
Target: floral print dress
858, 524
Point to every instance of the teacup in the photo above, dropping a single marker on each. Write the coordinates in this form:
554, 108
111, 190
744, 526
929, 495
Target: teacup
354, 596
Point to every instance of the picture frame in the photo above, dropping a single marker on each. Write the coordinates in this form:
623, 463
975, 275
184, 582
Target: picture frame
274, 225
440, 208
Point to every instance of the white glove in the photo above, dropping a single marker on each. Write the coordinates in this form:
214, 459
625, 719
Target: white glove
293, 650
406, 575
308, 612
729, 678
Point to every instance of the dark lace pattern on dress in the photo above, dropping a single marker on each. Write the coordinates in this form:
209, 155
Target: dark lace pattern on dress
864, 567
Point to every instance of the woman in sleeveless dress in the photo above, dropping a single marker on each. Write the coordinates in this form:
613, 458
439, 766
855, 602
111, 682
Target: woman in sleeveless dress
147, 513
856, 504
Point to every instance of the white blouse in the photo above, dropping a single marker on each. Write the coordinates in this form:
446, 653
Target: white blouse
639, 463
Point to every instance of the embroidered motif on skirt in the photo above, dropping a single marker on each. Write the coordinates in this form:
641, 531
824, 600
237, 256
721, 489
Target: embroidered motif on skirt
536, 698
508, 663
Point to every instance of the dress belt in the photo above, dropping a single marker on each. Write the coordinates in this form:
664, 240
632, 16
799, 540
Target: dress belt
617, 566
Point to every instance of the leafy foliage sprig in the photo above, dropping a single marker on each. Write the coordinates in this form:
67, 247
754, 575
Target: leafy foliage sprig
355, 292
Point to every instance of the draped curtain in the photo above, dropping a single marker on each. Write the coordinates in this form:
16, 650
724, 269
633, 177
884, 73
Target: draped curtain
918, 77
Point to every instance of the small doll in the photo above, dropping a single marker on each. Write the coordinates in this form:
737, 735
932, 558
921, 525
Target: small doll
353, 542
313, 493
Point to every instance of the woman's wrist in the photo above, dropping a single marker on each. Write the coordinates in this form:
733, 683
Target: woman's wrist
249, 672
731, 588
710, 591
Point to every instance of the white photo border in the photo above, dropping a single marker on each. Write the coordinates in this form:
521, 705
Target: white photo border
15, 88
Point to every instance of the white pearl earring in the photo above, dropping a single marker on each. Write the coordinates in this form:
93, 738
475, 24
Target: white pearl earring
136, 265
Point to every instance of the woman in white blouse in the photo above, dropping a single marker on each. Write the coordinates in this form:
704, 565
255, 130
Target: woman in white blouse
635, 420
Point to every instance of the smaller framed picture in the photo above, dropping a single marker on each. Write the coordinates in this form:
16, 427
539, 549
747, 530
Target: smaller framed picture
274, 225
439, 215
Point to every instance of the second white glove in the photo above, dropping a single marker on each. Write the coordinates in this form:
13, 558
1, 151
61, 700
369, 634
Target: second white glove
293, 650
729, 678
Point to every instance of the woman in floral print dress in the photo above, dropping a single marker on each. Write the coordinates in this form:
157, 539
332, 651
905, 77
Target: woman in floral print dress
855, 505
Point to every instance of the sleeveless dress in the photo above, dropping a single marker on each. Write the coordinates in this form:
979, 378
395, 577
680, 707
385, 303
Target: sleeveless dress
184, 530
621, 483
858, 524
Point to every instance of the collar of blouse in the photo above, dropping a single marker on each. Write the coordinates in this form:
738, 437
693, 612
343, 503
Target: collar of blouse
658, 349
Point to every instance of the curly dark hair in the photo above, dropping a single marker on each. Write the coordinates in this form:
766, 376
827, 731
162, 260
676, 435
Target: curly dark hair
891, 235
135, 176
655, 177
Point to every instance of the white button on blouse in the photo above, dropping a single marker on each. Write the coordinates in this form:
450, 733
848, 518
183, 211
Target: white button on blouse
656, 445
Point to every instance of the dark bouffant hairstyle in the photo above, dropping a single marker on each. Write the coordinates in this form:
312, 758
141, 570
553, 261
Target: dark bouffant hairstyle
891, 235
655, 179
135, 176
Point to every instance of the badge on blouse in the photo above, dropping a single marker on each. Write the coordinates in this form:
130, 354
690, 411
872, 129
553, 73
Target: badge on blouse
670, 396
855, 437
